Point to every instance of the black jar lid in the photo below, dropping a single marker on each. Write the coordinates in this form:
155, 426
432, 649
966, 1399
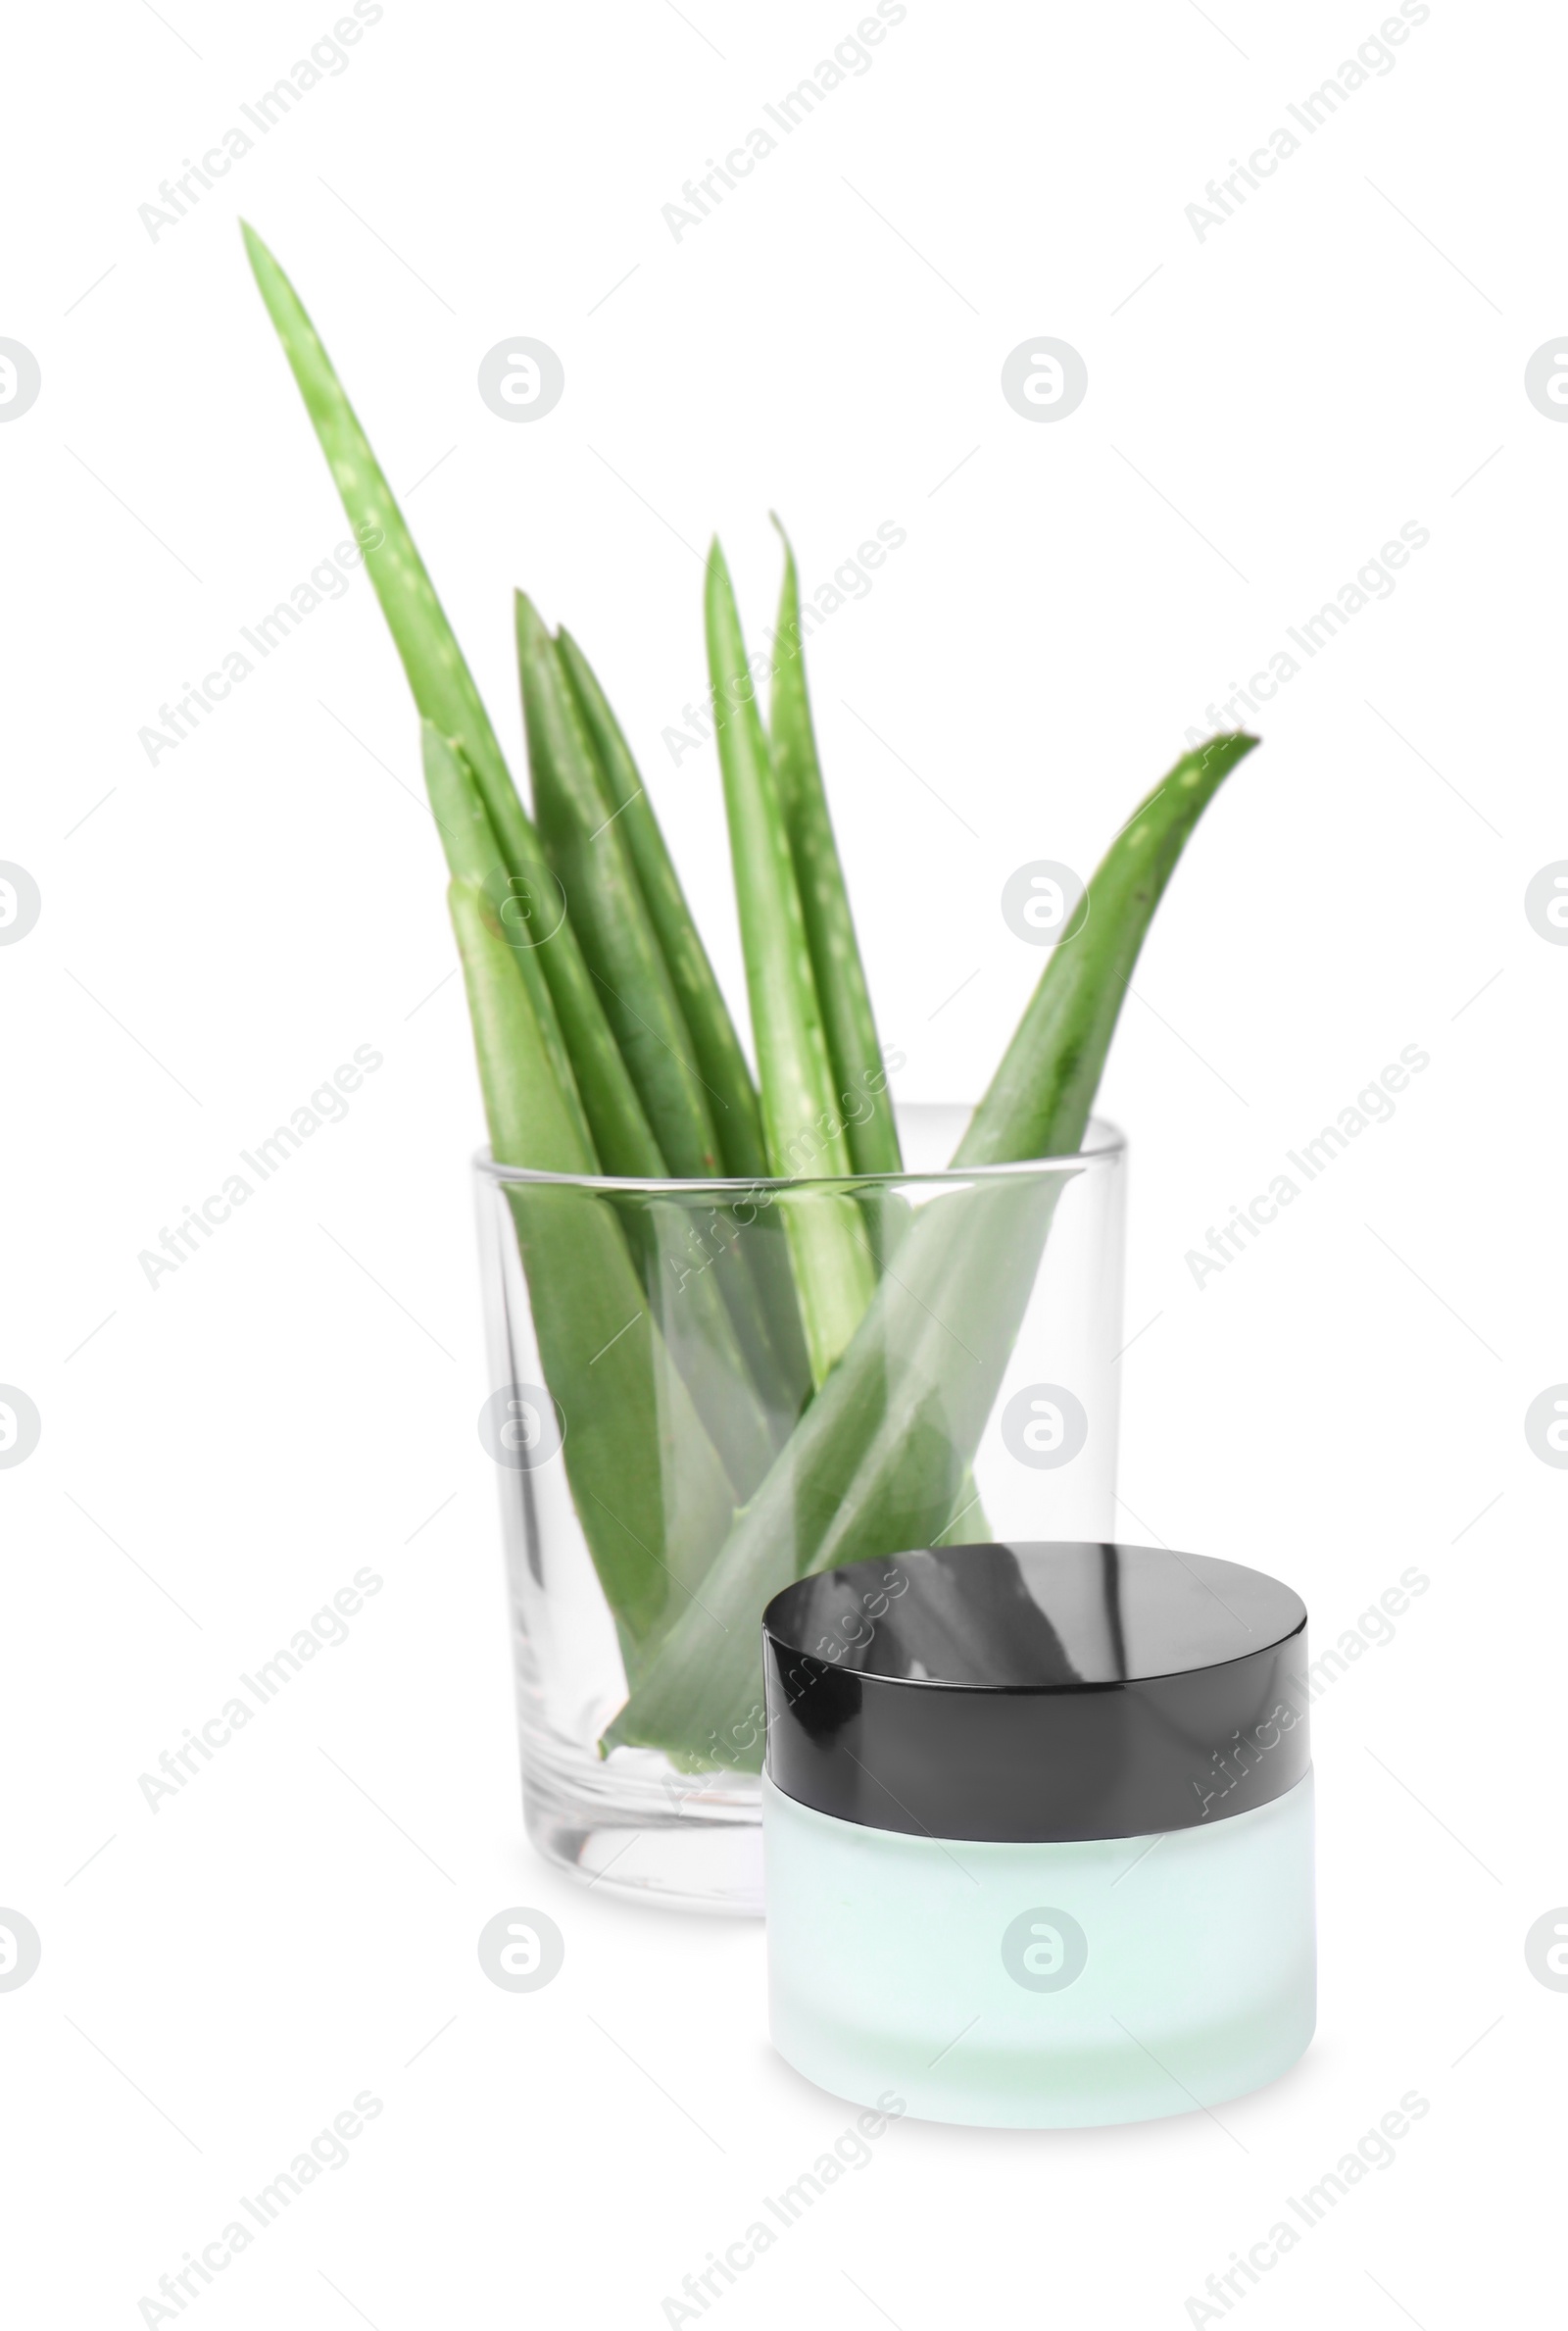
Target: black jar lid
1036, 1692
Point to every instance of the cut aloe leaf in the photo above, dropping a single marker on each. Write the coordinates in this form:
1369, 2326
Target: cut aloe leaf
720, 1061
571, 1023
802, 1121
753, 1269
839, 974
651, 1496
588, 853
1038, 1103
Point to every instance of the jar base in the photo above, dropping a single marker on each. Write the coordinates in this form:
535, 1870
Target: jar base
1046, 1986
1082, 2088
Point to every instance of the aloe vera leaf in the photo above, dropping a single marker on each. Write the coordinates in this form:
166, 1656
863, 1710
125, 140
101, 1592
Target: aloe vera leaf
692, 1298
715, 1046
586, 847
442, 684
689, 1306
576, 1036
754, 1271
846, 1002
791, 1043
1038, 1102
695, 1326
801, 1121
651, 1493
874, 1464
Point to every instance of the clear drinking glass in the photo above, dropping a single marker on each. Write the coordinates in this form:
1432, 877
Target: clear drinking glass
664, 1466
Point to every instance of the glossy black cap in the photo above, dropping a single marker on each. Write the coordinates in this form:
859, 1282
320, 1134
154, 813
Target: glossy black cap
1036, 1692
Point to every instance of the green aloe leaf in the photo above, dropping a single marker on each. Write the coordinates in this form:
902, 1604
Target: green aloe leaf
651, 1493
589, 859
715, 1047
1038, 1103
882, 1454
840, 975
586, 846
754, 1271
572, 1027
802, 1121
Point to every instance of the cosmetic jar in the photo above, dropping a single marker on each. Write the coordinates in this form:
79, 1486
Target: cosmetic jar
1038, 1832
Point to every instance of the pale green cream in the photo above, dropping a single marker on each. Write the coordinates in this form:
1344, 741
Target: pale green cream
1042, 1986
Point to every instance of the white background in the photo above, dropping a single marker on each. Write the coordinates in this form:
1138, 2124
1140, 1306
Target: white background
220, 930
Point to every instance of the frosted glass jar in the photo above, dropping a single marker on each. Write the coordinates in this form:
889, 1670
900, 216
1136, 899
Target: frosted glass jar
1038, 1832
